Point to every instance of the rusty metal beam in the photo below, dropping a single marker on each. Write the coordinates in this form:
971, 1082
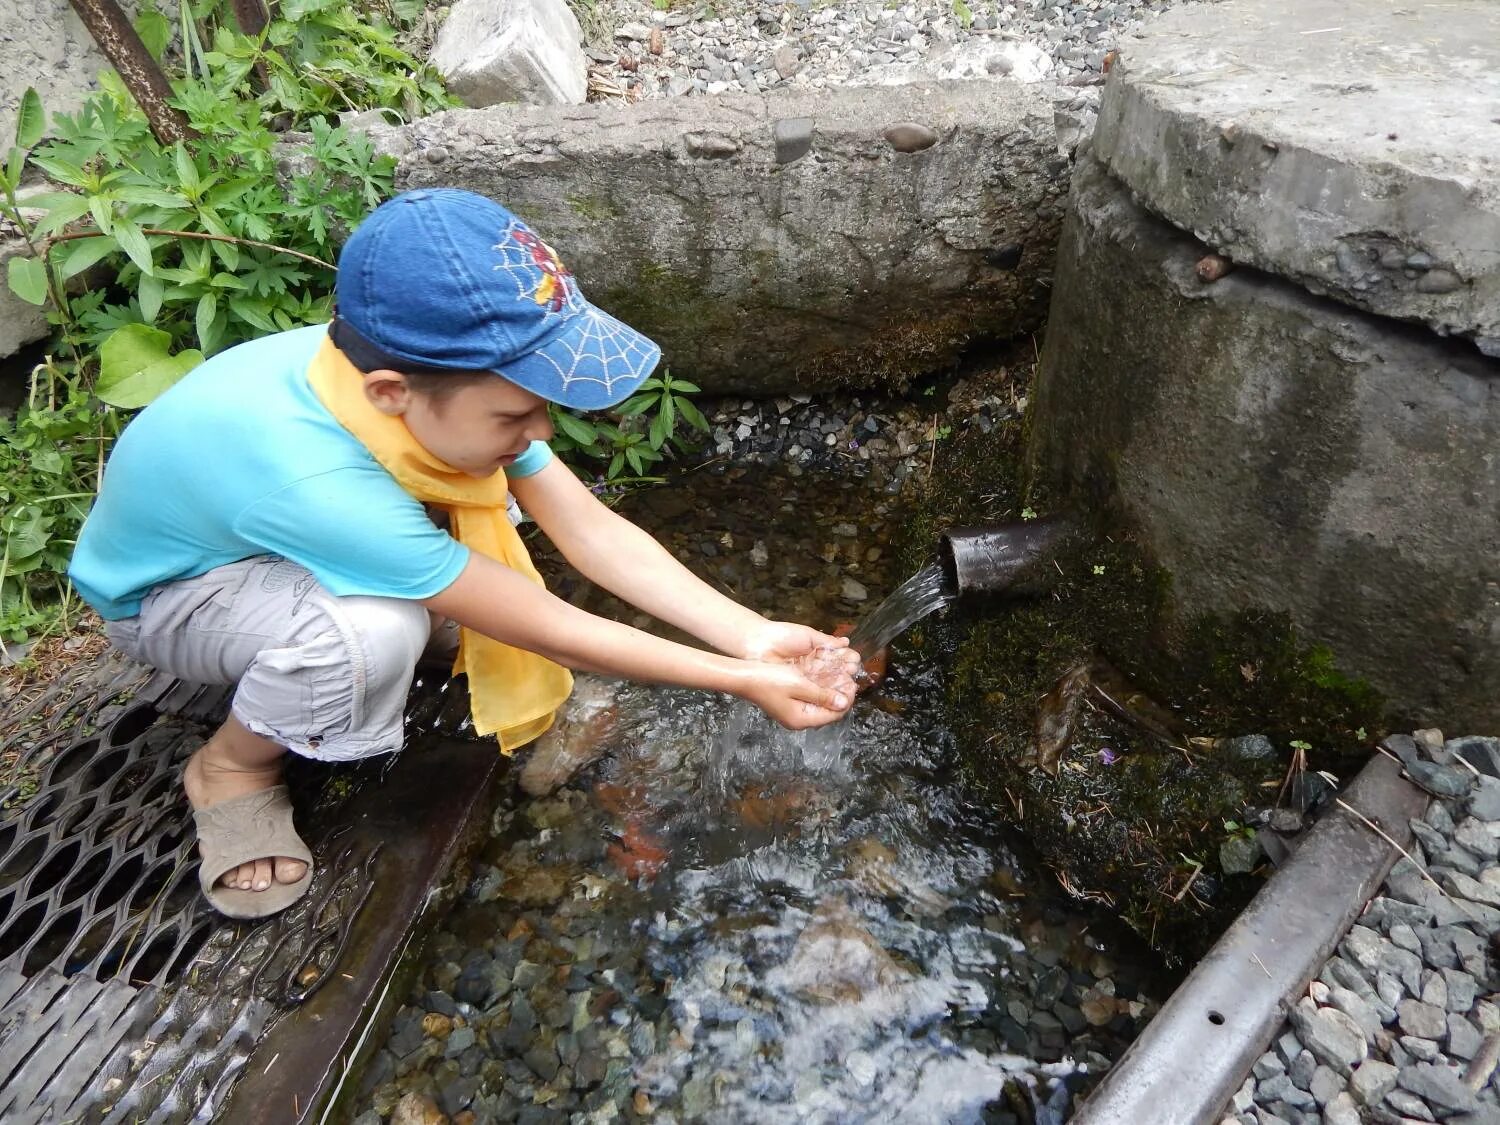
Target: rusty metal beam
112, 30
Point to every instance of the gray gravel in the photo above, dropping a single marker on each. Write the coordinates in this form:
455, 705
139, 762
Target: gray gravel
744, 46
1403, 1025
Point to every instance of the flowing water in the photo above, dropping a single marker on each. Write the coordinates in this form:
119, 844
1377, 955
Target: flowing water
699, 925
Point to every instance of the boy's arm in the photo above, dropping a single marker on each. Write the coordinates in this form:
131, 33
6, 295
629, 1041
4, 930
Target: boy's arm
611, 551
494, 600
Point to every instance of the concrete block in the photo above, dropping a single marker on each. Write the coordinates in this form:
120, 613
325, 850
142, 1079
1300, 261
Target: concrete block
1279, 450
784, 242
1348, 145
495, 51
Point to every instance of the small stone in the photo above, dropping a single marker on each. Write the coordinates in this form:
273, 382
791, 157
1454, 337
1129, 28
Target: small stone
853, 591
1268, 1066
1440, 781
1403, 746
1438, 281
1423, 1050
1249, 748
1303, 1067
1423, 1020
1325, 1085
1238, 855
1462, 989
787, 60
1411, 1107
1435, 990
1358, 1009
793, 137
1463, 1037
1331, 1035
1484, 803
910, 136
1438, 1086
1430, 742
1481, 753
1341, 1110
437, 1025
1477, 838
1372, 1081
414, 1109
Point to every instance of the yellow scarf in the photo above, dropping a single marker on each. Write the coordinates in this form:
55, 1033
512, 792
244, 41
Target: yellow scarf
512, 693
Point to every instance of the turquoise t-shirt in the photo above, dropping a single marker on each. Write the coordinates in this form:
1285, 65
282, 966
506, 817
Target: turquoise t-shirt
240, 459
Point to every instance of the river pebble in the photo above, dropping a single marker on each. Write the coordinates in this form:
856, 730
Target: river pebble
1413, 980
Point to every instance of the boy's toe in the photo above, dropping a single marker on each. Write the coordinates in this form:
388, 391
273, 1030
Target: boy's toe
289, 870
262, 878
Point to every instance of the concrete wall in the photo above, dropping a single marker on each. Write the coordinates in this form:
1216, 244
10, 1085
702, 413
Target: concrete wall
1276, 449
798, 240
43, 44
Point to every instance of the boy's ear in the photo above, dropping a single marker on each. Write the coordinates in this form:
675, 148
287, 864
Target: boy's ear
388, 391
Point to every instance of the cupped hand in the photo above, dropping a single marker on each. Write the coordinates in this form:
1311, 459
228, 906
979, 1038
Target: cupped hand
797, 699
791, 643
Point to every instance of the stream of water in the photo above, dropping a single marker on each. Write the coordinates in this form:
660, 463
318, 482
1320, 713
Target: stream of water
712, 921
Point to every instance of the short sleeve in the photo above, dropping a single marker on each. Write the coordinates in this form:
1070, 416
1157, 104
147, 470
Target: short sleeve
536, 458
358, 532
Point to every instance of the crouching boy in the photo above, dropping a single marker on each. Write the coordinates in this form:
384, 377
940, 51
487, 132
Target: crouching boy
265, 523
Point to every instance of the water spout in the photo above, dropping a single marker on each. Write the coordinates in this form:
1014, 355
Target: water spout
1011, 558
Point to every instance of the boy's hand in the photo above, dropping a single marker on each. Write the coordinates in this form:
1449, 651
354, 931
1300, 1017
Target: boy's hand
786, 642
794, 699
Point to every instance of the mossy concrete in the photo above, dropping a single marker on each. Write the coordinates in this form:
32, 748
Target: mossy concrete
781, 242
1126, 832
1275, 451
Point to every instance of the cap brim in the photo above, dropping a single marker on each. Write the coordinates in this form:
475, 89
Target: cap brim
592, 362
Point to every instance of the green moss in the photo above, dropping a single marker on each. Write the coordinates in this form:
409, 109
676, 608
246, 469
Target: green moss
673, 303
593, 207
1134, 832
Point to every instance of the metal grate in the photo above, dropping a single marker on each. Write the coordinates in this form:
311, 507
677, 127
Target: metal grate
123, 995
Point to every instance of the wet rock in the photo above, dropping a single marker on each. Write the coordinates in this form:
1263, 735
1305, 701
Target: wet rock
1238, 855
1403, 746
1481, 753
836, 960
1440, 781
853, 591
1484, 803
416, 1109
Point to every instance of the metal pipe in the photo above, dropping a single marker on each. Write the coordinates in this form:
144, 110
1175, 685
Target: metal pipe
1007, 557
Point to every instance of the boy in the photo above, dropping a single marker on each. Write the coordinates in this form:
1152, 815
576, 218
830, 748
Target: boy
263, 523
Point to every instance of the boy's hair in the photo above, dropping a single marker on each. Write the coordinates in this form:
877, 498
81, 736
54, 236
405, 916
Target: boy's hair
435, 383
440, 388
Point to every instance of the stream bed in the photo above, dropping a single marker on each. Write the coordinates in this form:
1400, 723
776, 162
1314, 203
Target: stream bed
684, 914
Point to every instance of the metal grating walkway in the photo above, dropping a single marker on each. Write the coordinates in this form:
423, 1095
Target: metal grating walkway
123, 996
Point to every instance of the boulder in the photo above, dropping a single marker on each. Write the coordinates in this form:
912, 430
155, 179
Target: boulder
1279, 450
784, 242
494, 51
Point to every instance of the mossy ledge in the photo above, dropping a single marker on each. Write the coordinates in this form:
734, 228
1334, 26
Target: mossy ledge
1126, 822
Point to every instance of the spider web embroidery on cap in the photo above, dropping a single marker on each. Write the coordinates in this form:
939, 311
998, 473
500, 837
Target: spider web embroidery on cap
538, 273
599, 350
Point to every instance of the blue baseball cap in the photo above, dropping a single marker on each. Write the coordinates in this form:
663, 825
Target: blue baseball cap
441, 280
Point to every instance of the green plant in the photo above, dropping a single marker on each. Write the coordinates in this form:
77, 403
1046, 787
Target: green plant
51, 455
641, 433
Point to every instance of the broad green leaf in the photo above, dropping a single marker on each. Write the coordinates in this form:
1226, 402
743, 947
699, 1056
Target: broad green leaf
661, 429
187, 171
136, 365
85, 253
576, 428
149, 196
639, 404
62, 171
63, 210
682, 386
15, 164
150, 294
103, 211
134, 243
203, 319
229, 254
28, 280
253, 313
692, 414
31, 119
155, 31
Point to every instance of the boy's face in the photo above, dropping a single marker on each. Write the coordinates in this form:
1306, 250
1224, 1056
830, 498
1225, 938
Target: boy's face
478, 429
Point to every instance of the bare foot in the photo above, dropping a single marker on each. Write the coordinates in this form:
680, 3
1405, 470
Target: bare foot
220, 772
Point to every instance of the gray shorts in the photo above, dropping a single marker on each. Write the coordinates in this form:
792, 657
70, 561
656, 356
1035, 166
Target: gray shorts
324, 676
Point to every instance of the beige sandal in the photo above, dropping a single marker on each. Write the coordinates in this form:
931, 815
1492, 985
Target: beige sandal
237, 831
